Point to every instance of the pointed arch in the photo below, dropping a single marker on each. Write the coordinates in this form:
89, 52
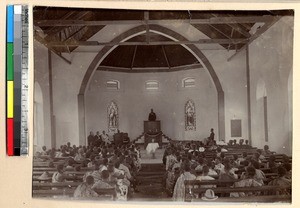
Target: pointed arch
172, 35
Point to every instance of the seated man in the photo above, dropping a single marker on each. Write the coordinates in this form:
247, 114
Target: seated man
104, 182
80, 155
84, 190
248, 181
152, 147
96, 174
59, 176
266, 151
105, 138
282, 180
44, 151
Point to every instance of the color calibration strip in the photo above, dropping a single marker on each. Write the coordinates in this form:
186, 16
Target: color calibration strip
16, 53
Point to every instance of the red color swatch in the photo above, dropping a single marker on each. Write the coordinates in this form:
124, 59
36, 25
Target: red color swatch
10, 136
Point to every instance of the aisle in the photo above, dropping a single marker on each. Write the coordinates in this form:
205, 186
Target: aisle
151, 178
147, 159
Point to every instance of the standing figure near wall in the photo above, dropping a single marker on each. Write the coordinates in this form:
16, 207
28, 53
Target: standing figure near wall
113, 117
152, 116
190, 116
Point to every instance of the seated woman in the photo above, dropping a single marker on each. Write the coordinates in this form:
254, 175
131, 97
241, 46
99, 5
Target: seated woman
219, 167
228, 174
179, 189
96, 174
282, 180
84, 190
44, 151
272, 165
172, 177
59, 175
122, 189
248, 181
259, 174
80, 155
202, 175
104, 182
266, 151
171, 159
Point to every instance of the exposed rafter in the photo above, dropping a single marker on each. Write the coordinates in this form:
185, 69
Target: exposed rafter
56, 30
263, 29
213, 20
42, 41
220, 31
133, 57
237, 28
96, 43
166, 57
146, 18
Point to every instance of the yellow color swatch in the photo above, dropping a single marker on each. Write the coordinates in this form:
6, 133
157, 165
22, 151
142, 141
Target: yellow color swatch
10, 99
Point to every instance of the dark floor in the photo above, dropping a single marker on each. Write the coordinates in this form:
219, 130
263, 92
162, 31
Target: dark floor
150, 186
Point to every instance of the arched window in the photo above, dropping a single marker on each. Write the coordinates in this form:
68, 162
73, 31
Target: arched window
188, 82
113, 117
113, 84
152, 85
190, 116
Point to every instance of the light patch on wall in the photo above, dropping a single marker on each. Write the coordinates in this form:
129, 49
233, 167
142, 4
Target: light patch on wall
113, 84
152, 85
188, 82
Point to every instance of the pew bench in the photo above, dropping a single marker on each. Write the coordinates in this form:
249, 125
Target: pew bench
194, 192
248, 199
63, 192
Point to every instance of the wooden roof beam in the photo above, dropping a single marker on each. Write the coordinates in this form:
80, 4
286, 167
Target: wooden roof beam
212, 20
237, 28
146, 18
166, 57
263, 29
220, 31
133, 57
44, 42
57, 29
96, 43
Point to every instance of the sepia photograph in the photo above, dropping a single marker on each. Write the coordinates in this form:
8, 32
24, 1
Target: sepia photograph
178, 106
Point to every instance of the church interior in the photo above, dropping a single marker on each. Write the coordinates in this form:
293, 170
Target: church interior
218, 83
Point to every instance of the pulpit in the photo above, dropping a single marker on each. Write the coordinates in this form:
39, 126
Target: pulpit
152, 130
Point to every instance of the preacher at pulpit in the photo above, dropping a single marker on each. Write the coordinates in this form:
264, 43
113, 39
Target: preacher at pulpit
152, 116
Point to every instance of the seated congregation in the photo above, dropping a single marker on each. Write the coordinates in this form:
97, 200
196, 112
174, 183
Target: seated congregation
103, 169
231, 171
193, 169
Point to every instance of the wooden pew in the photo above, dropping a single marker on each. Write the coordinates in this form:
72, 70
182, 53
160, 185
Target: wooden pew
66, 192
263, 190
62, 192
44, 186
73, 178
217, 182
37, 168
38, 173
248, 199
